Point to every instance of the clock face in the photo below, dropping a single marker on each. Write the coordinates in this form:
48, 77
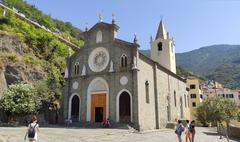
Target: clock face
98, 59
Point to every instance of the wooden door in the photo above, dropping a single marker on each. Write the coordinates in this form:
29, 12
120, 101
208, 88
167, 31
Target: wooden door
98, 101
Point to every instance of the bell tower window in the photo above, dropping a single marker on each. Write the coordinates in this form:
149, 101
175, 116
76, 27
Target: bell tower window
124, 60
160, 46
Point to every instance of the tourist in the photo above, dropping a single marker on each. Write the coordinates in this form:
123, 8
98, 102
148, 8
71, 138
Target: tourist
192, 130
106, 123
187, 132
179, 130
33, 129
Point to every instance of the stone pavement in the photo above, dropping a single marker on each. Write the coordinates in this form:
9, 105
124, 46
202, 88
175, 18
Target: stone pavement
9, 134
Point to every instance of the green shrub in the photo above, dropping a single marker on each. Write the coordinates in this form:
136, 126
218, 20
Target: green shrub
20, 99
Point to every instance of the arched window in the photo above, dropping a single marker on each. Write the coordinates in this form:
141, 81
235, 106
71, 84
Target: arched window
124, 60
147, 91
99, 37
175, 99
76, 68
160, 46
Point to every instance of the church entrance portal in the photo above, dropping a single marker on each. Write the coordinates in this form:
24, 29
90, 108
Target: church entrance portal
75, 108
98, 107
124, 107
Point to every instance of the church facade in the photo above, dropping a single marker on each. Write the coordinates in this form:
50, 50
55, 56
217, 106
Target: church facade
109, 78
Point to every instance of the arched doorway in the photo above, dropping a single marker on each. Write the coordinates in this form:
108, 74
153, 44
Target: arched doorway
97, 100
124, 107
75, 108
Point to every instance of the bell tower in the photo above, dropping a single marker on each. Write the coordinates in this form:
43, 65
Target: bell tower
163, 49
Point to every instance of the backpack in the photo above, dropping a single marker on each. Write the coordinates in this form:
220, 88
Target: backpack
179, 130
31, 131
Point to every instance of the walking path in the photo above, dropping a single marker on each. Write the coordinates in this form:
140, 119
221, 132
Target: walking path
9, 134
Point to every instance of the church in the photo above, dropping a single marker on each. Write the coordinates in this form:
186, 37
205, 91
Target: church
110, 78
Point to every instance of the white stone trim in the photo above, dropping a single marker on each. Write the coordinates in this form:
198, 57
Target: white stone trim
70, 106
117, 104
90, 91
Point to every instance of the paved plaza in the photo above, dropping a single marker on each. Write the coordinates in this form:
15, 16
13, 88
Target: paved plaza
104, 135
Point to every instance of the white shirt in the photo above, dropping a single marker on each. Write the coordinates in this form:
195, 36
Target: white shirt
36, 129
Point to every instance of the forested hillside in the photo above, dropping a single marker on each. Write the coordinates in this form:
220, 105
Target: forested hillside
217, 62
65, 29
32, 54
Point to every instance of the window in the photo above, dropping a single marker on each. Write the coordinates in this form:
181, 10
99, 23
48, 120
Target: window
193, 104
147, 91
123, 60
192, 86
193, 96
201, 96
76, 68
185, 100
230, 95
160, 46
99, 37
175, 99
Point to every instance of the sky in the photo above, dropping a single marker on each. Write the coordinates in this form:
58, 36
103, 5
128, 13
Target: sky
192, 23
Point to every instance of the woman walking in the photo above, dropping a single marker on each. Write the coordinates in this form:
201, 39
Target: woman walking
33, 129
179, 130
187, 132
192, 130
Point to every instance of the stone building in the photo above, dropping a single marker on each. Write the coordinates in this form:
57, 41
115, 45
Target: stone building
110, 78
195, 96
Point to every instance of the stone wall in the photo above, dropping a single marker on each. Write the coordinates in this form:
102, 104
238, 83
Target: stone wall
146, 114
234, 132
3, 83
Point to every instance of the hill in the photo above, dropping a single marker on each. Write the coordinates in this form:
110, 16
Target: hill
217, 62
31, 50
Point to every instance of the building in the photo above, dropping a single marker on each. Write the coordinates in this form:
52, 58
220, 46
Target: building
195, 96
110, 78
209, 88
213, 89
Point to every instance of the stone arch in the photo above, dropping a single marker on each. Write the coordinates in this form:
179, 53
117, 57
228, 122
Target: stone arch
73, 97
118, 104
97, 85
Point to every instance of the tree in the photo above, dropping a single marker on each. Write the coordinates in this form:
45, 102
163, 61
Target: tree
217, 110
19, 99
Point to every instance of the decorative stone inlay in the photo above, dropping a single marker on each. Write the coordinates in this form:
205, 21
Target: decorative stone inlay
98, 59
75, 85
123, 80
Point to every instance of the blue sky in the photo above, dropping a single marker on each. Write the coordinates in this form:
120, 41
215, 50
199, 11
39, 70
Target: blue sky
192, 23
